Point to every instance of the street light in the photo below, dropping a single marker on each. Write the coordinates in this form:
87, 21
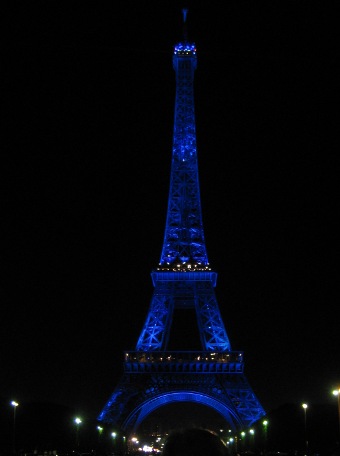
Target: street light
15, 405
305, 406
337, 393
231, 441
252, 438
100, 431
114, 435
78, 421
265, 428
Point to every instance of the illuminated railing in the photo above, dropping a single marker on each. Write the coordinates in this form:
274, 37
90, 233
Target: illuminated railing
183, 361
185, 49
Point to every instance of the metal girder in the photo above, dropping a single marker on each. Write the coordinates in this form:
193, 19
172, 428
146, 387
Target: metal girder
190, 292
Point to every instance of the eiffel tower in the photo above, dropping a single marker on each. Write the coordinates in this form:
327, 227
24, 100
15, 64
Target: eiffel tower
154, 376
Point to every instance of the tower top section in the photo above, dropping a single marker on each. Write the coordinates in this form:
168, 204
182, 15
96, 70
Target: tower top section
184, 244
184, 48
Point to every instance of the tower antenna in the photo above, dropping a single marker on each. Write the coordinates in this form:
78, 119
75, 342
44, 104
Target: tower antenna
185, 32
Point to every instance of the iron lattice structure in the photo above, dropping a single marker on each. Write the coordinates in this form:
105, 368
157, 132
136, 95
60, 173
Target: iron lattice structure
154, 376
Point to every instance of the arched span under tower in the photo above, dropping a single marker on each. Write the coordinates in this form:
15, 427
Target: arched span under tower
138, 415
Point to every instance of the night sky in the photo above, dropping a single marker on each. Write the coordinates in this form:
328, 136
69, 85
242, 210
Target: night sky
89, 104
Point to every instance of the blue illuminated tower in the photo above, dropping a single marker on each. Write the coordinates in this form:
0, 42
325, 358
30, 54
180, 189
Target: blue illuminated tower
153, 375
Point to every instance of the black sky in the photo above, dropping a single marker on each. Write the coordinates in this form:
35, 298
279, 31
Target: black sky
89, 99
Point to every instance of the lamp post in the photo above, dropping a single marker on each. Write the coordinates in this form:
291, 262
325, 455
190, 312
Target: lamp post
114, 435
78, 421
15, 405
305, 406
100, 431
231, 442
236, 444
337, 393
243, 440
265, 429
252, 438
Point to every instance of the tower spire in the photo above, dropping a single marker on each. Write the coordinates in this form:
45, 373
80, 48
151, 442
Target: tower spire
185, 31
